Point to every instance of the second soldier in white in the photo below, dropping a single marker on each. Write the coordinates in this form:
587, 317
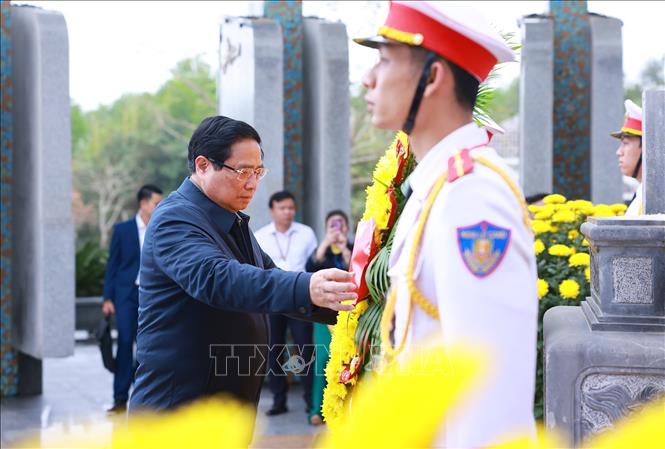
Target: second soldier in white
462, 266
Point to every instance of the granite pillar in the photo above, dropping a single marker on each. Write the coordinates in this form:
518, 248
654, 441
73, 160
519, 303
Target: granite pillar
606, 108
8, 355
653, 151
326, 131
250, 89
289, 15
571, 97
571, 117
43, 231
535, 104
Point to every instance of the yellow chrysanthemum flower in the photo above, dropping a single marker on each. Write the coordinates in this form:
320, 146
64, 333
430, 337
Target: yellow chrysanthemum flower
342, 350
619, 208
538, 246
540, 227
560, 250
580, 205
569, 289
564, 216
543, 288
386, 168
585, 242
533, 208
378, 207
555, 198
603, 210
587, 274
573, 234
579, 259
544, 214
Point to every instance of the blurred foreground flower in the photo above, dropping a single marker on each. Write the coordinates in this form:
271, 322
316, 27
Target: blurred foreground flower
211, 423
405, 405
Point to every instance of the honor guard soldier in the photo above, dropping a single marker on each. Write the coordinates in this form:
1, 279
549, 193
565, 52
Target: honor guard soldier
462, 266
630, 152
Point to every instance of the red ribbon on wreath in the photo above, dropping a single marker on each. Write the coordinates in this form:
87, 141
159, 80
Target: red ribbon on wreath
364, 249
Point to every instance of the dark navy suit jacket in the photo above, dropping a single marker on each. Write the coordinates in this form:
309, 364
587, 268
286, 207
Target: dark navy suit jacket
202, 328
123, 263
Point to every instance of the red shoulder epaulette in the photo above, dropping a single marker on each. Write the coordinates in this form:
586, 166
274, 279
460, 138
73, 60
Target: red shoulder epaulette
459, 165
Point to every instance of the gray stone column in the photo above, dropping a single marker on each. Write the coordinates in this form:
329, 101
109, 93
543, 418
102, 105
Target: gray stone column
536, 104
606, 107
250, 89
653, 151
327, 139
43, 232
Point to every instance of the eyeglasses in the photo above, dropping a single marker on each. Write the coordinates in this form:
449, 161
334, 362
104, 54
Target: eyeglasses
243, 173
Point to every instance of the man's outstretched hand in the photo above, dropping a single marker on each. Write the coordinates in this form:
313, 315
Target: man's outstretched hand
328, 288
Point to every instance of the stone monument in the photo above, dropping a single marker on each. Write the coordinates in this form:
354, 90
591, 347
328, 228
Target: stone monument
250, 89
42, 240
289, 78
9, 375
326, 134
571, 95
607, 357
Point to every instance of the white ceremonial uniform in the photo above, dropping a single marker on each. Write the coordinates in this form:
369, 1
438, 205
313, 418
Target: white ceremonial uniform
635, 208
496, 313
289, 250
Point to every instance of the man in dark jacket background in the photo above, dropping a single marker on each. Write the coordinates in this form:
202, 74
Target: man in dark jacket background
206, 285
121, 284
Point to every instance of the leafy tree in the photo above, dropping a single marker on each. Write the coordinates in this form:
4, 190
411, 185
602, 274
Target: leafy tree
368, 144
139, 139
505, 103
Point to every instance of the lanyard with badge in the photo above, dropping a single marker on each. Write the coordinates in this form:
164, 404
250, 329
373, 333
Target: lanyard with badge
282, 262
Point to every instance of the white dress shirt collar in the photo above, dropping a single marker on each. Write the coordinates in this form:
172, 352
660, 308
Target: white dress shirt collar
293, 228
139, 222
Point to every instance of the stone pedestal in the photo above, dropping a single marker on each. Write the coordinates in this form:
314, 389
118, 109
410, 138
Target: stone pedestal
605, 358
43, 228
250, 89
593, 378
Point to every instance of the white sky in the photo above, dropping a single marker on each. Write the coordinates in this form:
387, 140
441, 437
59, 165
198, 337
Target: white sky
130, 47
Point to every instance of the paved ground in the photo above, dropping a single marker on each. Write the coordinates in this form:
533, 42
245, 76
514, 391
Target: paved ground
77, 389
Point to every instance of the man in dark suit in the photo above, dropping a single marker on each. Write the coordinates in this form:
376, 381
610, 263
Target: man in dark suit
121, 289
206, 285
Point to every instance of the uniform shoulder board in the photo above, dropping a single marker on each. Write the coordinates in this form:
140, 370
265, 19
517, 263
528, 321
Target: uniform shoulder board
459, 165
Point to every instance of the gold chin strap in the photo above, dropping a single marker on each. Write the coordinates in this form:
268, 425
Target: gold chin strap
415, 295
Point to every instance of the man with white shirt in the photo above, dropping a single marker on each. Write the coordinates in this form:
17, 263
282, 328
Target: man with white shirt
121, 284
462, 267
289, 244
